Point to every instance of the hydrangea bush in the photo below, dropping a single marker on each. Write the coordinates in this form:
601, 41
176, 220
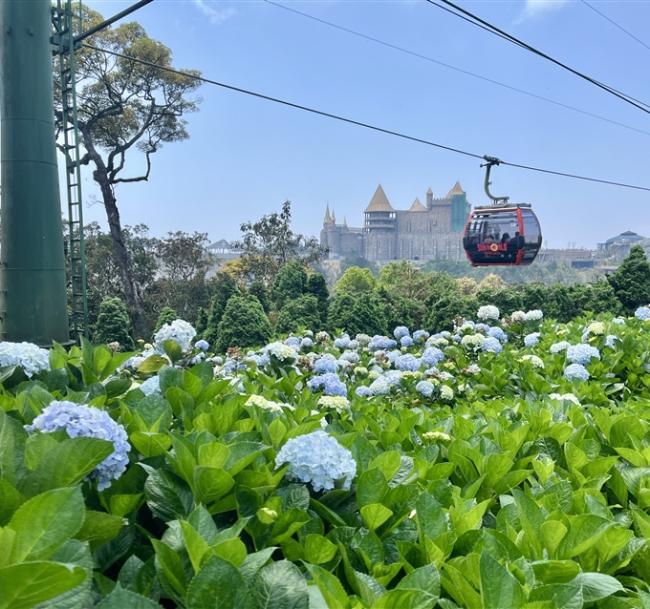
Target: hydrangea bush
503, 464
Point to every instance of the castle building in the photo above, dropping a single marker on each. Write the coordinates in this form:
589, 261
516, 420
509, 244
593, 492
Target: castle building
421, 232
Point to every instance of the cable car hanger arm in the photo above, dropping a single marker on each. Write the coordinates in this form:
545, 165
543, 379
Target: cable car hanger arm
490, 162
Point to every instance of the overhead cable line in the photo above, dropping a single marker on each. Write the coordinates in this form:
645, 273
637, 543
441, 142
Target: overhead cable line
357, 123
449, 66
615, 24
483, 24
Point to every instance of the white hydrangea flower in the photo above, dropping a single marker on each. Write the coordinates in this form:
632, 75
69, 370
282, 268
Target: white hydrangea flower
536, 361
436, 436
179, 331
488, 312
30, 357
596, 327
518, 316
282, 352
151, 385
534, 315
568, 397
334, 402
264, 404
472, 341
446, 392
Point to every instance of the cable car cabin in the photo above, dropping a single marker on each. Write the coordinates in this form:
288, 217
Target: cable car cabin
503, 235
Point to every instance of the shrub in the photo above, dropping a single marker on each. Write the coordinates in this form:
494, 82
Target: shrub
631, 281
300, 313
113, 323
317, 286
243, 324
290, 283
364, 313
167, 315
224, 288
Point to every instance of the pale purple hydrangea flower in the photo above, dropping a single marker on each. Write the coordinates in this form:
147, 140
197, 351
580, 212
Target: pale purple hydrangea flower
576, 372
425, 388
203, 345
81, 421
326, 363
400, 332
642, 313
406, 341
432, 356
530, 340
491, 345
329, 383
318, 459
408, 362
582, 354
498, 333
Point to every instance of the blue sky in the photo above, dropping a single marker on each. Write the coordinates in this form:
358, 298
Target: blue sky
246, 156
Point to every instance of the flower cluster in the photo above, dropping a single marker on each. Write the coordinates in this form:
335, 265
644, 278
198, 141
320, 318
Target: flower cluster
536, 361
534, 315
425, 388
326, 363
281, 352
334, 402
264, 404
407, 363
492, 345
81, 421
400, 332
488, 312
318, 459
560, 346
642, 313
31, 358
530, 340
582, 354
151, 385
383, 343
575, 372
179, 331
329, 383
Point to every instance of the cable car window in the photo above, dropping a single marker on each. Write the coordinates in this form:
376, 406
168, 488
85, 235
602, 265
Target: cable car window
531, 227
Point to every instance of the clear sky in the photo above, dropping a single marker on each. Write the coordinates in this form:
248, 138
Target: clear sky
246, 156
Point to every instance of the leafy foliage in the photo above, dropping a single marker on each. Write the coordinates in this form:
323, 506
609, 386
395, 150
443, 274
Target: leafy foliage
631, 281
244, 324
301, 313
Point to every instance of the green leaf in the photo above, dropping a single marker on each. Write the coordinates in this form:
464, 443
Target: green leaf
12, 446
255, 561
557, 596
170, 567
219, 585
100, 527
45, 523
280, 585
120, 598
585, 532
150, 444
330, 587
499, 589
26, 585
211, 483
167, 496
596, 586
195, 545
371, 487
152, 364
375, 514
425, 579
318, 549
62, 463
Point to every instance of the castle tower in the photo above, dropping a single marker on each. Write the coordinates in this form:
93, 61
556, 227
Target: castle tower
459, 207
429, 198
380, 228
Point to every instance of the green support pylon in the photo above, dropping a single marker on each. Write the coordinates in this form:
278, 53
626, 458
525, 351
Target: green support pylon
32, 268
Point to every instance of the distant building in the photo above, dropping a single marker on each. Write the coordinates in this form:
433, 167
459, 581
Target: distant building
224, 250
619, 247
431, 232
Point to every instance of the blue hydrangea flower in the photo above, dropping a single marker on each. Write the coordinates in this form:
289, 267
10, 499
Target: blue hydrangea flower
419, 336
610, 341
642, 313
293, 341
362, 391
530, 340
457, 338
151, 385
576, 372
81, 421
407, 362
559, 346
30, 357
380, 386
619, 321
318, 459
582, 354
326, 363
492, 345
329, 383
481, 327
342, 342
432, 356
350, 356
179, 331
393, 355
406, 341
260, 359
400, 332
381, 343
203, 345
498, 333
306, 343
425, 388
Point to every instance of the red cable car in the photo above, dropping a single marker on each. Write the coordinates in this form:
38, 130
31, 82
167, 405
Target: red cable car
501, 234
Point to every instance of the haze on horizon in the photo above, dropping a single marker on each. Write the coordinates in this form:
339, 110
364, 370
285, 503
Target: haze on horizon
246, 156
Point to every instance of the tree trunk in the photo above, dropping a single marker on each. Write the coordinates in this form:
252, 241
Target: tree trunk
125, 268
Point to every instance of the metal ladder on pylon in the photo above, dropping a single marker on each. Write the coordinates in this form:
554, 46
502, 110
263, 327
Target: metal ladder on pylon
62, 19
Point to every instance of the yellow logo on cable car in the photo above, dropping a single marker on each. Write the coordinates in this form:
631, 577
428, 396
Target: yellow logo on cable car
494, 247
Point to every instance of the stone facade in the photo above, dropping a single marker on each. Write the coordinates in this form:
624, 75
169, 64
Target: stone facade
431, 232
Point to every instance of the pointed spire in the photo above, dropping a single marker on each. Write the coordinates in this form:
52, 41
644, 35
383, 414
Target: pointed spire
456, 190
379, 201
328, 218
430, 192
333, 217
417, 206
345, 221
